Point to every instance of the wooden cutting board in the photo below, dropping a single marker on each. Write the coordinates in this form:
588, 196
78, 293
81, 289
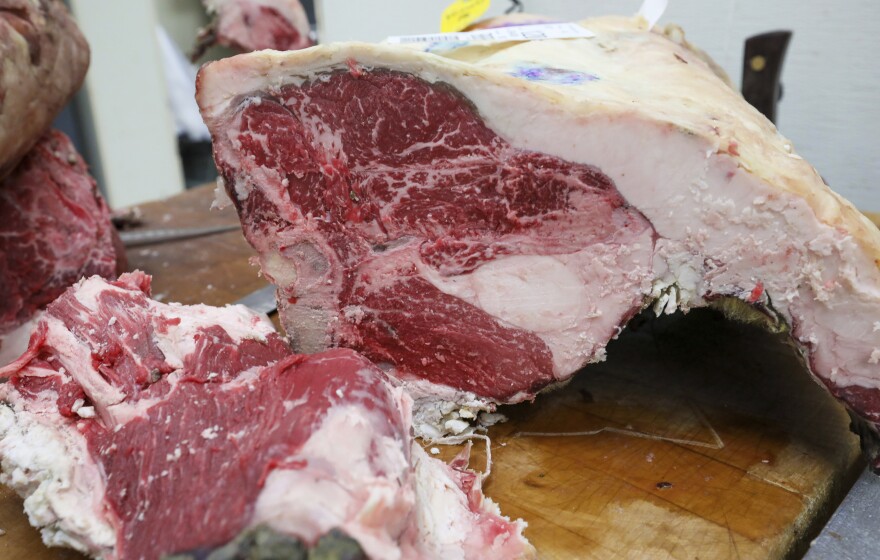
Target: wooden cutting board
699, 438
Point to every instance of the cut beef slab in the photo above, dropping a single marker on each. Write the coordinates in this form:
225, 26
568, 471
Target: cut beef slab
54, 229
481, 220
44, 60
136, 429
253, 25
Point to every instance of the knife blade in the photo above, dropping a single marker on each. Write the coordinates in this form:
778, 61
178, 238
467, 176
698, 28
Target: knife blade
136, 238
853, 532
262, 300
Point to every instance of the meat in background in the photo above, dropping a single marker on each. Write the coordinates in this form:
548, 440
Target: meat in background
54, 229
44, 61
54, 225
253, 25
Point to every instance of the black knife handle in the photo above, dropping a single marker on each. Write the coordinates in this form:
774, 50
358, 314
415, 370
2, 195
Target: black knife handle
762, 69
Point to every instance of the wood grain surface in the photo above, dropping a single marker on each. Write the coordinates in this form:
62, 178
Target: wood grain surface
698, 438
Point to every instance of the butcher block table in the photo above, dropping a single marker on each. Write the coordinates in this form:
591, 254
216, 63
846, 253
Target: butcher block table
698, 438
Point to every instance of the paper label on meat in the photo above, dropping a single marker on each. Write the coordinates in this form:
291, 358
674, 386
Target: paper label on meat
652, 11
519, 33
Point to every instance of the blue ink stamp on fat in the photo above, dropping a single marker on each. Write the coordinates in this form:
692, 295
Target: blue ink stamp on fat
549, 75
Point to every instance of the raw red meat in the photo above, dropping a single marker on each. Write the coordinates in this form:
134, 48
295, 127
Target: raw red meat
54, 229
253, 25
135, 429
411, 198
481, 219
44, 60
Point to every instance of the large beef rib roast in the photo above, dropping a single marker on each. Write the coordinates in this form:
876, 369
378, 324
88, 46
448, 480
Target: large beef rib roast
480, 219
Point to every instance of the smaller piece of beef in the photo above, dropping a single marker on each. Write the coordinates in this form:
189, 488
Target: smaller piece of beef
136, 429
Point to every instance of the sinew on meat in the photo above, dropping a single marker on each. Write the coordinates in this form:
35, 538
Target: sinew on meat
135, 429
482, 220
44, 60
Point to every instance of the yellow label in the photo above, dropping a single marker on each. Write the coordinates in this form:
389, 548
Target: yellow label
462, 13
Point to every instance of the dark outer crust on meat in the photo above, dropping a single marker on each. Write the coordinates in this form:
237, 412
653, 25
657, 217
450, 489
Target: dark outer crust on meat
44, 60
